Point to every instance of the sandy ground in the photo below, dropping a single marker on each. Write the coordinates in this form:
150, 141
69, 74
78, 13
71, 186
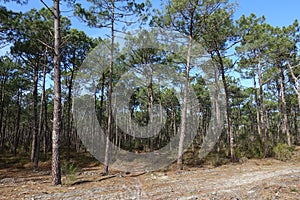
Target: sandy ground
255, 179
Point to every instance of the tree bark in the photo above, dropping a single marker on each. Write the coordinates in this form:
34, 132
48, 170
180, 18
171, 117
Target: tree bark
279, 108
257, 108
102, 100
40, 128
35, 114
184, 107
285, 124
262, 104
46, 139
228, 109
3, 82
56, 171
150, 113
296, 81
109, 93
69, 120
17, 132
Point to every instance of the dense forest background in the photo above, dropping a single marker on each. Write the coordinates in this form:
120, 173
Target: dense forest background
257, 65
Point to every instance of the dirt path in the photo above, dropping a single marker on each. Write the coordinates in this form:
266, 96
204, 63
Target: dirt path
255, 179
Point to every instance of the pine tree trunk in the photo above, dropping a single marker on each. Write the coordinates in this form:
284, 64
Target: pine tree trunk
109, 95
102, 100
285, 124
35, 114
296, 81
16, 138
262, 104
257, 111
69, 120
40, 128
228, 109
56, 171
184, 107
46, 137
3, 82
150, 113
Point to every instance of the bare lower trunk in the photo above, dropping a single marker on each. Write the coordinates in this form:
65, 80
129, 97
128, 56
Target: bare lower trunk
257, 111
150, 113
35, 115
3, 82
285, 125
296, 81
40, 128
56, 171
109, 95
69, 120
16, 138
184, 107
228, 109
45, 135
102, 100
279, 116
262, 104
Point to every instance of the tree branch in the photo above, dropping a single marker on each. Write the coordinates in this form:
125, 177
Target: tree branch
42, 1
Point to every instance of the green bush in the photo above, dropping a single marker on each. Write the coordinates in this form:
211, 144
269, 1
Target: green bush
237, 152
252, 150
70, 171
282, 152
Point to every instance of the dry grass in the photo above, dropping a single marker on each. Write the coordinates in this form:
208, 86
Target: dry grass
254, 179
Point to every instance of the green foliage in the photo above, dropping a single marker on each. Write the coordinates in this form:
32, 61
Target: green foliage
261, 47
70, 170
252, 149
237, 152
9, 21
100, 14
283, 152
292, 189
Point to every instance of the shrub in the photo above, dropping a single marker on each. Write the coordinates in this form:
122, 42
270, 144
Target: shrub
70, 171
282, 152
252, 150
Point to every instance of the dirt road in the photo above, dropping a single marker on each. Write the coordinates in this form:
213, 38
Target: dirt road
255, 179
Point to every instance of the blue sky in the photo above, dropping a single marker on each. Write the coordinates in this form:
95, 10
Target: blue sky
277, 12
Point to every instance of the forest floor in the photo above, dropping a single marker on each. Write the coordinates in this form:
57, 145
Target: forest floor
253, 179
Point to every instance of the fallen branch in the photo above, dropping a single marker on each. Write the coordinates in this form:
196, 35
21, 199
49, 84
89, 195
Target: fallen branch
134, 175
107, 177
93, 180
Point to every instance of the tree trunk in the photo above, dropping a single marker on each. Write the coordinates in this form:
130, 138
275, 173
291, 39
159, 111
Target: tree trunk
296, 81
5, 122
296, 127
262, 104
16, 138
46, 139
35, 114
184, 107
228, 110
3, 82
40, 128
69, 120
285, 124
257, 110
150, 113
109, 93
279, 108
56, 171
102, 100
